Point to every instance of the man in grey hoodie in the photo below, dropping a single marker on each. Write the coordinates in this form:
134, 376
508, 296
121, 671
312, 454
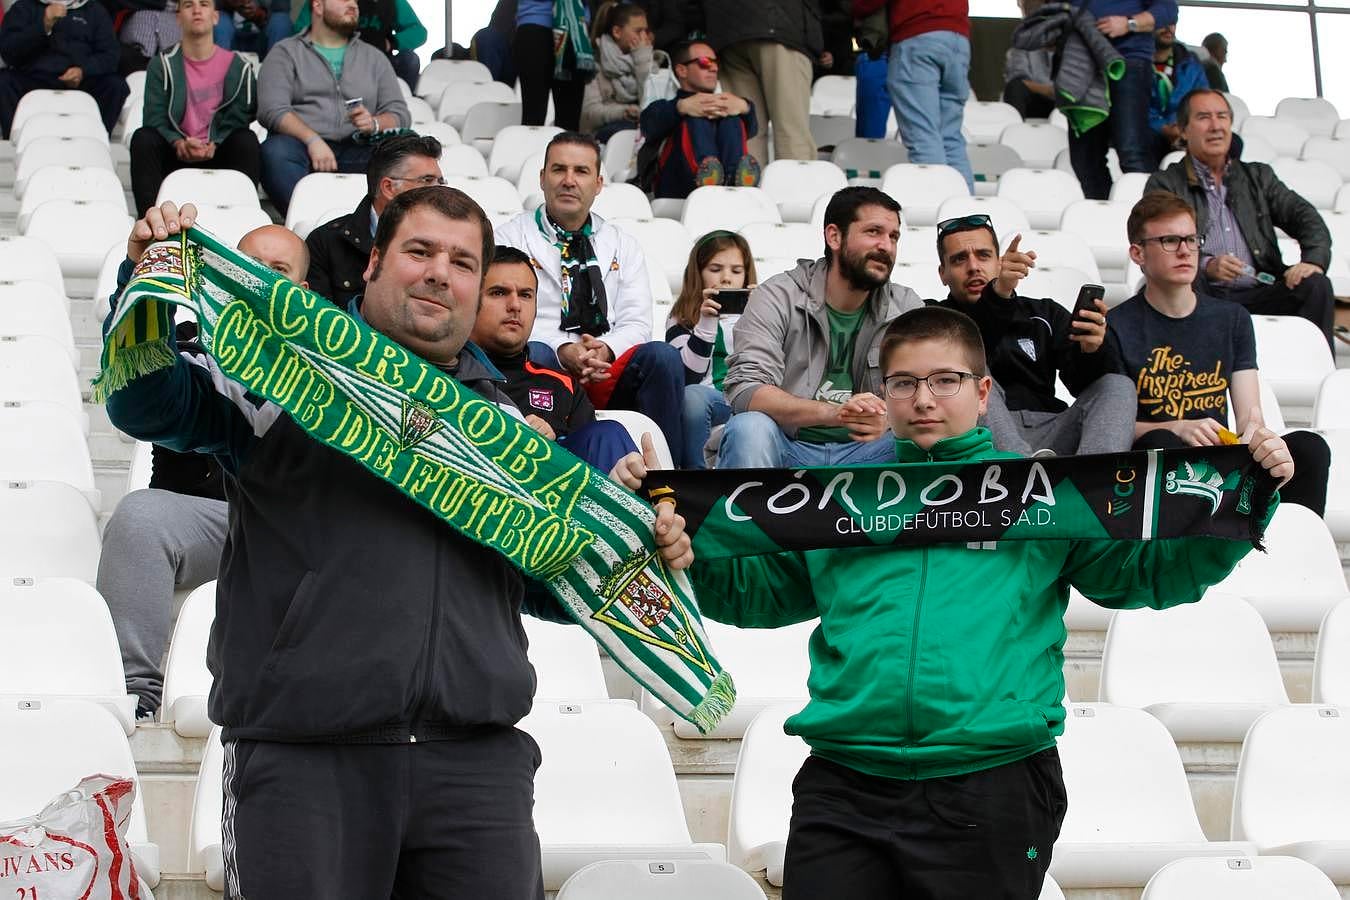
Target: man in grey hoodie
325, 96
804, 381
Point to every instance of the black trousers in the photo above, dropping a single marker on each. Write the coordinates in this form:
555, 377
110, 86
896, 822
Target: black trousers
1312, 464
152, 159
372, 821
1026, 101
533, 53
109, 92
1312, 299
987, 834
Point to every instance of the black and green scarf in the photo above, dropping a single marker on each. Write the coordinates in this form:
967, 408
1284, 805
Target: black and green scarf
585, 308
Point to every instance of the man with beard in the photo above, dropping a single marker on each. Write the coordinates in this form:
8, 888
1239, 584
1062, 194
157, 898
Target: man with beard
1176, 72
804, 382
325, 97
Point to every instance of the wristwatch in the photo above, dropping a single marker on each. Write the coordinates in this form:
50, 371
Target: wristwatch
1131, 25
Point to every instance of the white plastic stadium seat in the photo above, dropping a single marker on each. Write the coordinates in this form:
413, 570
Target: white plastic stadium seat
1041, 193
1314, 180
48, 746
456, 100
106, 283
442, 72
492, 193
60, 644
71, 125
1287, 137
795, 184
1037, 144
446, 134
321, 191
833, 95
1058, 249
1294, 358
69, 183
1343, 199
516, 143
988, 162
36, 309
657, 879
230, 224
1006, 217
606, 789
1084, 615
920, 189
1338, 484
827, 131
709, 208
1059, 283
485, 118
620, 156
187, 681
795, 240
208, 187
1342, 129
462, 159
1205, 670
1130, 810
1239, 107
566, 662
1331, 665
636, 424
28, 259
1317, 115
80, 232
1050, 890
47, 529
1239, 878
1129, 187
54, 151
1102, 225
620, 201
44, 442
1299, 577
1293, 787
665, 243
420, 112
761, 794
46, 102
36, 369
768, 266
204, 827
917, 245
1332, 407
865, 160
922, 278
984, 121
531, 191
1335, 152
141, 468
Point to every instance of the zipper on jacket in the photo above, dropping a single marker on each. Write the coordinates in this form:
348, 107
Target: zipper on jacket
429, 654
914, 642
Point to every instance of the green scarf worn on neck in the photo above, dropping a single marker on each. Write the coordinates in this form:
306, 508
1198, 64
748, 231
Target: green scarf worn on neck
486, 474
569, 29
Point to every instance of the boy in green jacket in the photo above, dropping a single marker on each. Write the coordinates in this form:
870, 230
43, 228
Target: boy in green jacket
937, 685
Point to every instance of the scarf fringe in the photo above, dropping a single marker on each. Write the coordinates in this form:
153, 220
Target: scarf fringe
719, 700
131, 363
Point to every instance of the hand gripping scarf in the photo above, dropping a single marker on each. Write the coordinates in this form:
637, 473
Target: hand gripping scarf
584, 304
489, 476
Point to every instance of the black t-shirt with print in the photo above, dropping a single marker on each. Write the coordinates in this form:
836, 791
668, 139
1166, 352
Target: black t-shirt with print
1182, 368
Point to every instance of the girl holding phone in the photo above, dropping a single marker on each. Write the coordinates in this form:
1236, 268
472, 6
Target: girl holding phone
717, 280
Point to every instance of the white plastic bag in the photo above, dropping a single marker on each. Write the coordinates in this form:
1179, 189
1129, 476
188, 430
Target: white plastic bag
75, 848
660, 83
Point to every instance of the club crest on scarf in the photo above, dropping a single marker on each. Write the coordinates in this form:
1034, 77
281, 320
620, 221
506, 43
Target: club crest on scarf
419, 423
637, 603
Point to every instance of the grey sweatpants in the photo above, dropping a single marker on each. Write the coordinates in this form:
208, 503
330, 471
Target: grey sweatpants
156, 542
1100, 420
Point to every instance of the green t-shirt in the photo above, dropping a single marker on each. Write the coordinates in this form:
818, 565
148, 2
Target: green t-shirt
837, 385
335, 56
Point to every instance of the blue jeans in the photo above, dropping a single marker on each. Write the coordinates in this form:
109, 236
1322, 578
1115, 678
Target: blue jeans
705, 407
695, 139
752, 440
873, 104
929, 80
227, 35
653, 384
285, 161
1126, 129
601, 443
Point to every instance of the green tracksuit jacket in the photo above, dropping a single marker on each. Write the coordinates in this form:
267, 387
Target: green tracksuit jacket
941, 660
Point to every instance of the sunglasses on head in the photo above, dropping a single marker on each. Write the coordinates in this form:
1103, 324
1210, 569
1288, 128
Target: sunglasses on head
960, 223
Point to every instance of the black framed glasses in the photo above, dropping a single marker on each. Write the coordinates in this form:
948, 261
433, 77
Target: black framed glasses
940, 384
1172, 242
960, 223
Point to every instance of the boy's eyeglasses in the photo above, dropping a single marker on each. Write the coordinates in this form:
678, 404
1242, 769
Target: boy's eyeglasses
940, 384
1172, 242
975, 220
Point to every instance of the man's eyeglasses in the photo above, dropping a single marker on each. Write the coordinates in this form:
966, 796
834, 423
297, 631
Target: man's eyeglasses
1172, 242
940, 384
421, 180
706, 63
960, 223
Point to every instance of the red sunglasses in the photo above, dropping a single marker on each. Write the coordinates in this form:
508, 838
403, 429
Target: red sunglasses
703, 62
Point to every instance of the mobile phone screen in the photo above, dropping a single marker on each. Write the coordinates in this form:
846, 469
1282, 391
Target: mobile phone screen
733, 301
1088, 295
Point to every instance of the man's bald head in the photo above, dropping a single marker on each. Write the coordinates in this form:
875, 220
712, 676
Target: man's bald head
280, 249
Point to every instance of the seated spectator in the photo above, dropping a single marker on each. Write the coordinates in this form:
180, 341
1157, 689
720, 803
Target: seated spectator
1193, 355
1238, 205
593, 284
699, 137
1176, 72
1028, 75
199, 101
169, 538
391, 27
340, 250
552, 402
623, 47
1217, 47
59, 46
253, 27
1029, 342
325, 98
145, 29
720, 260
804, 381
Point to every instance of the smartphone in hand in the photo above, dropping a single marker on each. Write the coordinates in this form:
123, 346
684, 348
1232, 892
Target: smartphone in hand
733, 301
1088, 295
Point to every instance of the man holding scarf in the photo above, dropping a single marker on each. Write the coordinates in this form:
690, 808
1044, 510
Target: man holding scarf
369, 662
594, 302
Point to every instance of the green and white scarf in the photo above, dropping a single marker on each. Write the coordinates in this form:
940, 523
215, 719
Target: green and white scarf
569, 30
486, 474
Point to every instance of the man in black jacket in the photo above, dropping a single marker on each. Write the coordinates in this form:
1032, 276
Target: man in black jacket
369, 662
1029, 342
1237, 208
340, 249
60, 46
